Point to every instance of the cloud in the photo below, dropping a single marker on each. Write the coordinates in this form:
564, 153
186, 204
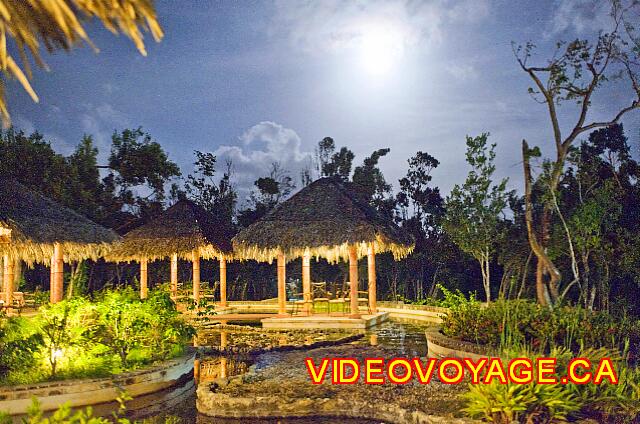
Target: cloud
332, 25
259, 147
100, 121
463, 72
580, 16
21, 123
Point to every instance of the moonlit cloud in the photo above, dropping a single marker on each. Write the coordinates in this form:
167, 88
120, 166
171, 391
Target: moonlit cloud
100, 121
581, 16
462, 71
259, 147
332, 26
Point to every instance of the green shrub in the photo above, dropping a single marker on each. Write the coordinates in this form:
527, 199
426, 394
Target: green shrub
520, 324
449, 298
19, 344
511, 403
80, 337
542, 403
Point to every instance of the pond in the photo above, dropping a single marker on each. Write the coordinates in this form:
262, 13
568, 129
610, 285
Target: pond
405, 339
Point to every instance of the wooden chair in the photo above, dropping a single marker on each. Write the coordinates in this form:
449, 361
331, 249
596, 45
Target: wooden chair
319, 295
363, 297
298, 303
339, 300
30, 300
18, 301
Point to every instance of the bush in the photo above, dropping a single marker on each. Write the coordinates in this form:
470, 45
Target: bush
523, 324
526, 403
449, 298
19, 345
541, 403
79, 337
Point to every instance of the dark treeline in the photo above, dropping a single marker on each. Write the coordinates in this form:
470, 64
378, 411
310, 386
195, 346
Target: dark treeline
474, 240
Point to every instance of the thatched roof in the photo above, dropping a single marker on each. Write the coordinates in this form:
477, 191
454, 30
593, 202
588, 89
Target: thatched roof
181, 229
30, 225
324, 218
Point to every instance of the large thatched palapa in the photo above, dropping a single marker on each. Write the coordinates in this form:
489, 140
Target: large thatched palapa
185, 231
325, 219
35, 229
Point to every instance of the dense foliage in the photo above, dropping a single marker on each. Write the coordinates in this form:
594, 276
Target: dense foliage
544, 403
510, 324
81, 337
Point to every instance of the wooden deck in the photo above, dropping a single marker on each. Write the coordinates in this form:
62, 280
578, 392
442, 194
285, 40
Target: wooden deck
324, 321
238, 317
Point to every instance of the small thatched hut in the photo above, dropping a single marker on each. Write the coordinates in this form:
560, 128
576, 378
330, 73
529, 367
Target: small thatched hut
35, 229
185, 231
325, 219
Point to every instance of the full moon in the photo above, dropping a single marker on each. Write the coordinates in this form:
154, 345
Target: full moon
380, 50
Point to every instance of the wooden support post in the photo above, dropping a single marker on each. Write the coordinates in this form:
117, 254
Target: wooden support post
282, 288
223, 282
17, 273
224, 341
224, 368
144, 280
371, 267
196, 362
306, 282
174, 276
57, 274
7, 276
52, 277
196, 276
353, 277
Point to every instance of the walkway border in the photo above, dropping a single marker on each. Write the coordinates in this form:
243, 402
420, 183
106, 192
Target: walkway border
15, 400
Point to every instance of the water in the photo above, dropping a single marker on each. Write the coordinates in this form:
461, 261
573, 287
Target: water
404, 338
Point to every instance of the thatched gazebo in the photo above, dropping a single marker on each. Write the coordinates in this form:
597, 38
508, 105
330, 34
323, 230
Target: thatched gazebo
326, 219
35, 229
184, 231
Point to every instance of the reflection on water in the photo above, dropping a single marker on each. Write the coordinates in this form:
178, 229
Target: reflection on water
405, 339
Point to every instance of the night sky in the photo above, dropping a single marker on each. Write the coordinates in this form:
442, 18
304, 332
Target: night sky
260, 82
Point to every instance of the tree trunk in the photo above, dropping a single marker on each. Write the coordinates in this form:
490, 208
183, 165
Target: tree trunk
486, 277
546, 292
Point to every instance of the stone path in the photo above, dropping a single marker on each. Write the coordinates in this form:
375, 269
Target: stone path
280, 381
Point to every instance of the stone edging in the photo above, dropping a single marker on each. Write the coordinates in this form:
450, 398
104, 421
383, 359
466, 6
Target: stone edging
400, 310
286, 348
442, 346
83, 392
222, 405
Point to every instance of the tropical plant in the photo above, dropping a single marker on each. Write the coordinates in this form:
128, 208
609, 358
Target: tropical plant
61, 328
548, 403
19, 345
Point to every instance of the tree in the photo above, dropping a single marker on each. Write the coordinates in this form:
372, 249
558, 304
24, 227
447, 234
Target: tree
268, 192
421, 208
219, 197
85, 190
331, 163
576, 72
369, 180
32, 161
473, 210
59, 25
416, 192
598, 189
138, 162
